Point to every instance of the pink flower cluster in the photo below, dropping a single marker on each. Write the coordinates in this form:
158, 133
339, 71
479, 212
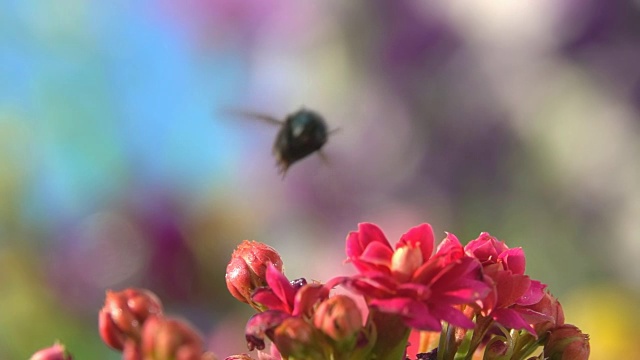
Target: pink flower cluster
477, 297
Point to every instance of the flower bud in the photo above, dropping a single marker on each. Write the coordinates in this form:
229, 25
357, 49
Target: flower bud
496, 349
168, 339
567, 342
297, 339
247, 269
124, 313
339, 318
55, 352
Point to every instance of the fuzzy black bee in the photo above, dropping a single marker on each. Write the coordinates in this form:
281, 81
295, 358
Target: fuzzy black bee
301, 134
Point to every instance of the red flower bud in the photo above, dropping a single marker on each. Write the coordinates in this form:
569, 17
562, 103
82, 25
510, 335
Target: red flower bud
567, 342
339, 318
124, 313
170, 339
55, 352
247, 269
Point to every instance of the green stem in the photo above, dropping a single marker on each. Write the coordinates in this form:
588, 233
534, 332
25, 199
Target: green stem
447, 346
526, 345
393, 336
482, 326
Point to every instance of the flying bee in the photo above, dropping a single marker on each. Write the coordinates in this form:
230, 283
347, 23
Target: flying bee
301, 134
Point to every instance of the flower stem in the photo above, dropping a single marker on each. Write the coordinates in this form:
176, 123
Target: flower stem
393, 344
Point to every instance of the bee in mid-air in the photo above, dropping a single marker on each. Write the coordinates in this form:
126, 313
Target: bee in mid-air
301, 134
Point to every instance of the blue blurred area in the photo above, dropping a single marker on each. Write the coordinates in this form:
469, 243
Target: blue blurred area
120, 164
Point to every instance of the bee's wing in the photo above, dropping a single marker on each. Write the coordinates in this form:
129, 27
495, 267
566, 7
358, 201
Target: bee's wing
253, 115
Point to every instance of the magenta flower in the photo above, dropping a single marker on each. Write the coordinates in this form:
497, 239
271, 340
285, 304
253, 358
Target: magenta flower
291, 297
283, 299
512, 292
423, 289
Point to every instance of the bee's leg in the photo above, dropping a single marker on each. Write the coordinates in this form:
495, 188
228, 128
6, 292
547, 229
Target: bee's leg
324, 157
253, 115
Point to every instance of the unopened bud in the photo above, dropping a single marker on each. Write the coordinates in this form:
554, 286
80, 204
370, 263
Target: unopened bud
247, 269
123, 314
55, 352
298, 339
168, 339
567, 342
339, 318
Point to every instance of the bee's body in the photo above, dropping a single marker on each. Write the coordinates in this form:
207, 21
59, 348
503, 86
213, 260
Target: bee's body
301, 134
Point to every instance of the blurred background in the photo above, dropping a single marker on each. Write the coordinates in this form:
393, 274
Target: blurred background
119, 166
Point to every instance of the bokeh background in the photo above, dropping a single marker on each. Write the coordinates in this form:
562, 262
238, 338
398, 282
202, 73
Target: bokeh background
119, 165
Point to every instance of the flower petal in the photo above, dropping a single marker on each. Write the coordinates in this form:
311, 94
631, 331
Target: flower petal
450, 248
453, 316
422, 236
357, 241
259, 324
307, 297
512, 319
415, 314
377, 254
534, 294
514, 260
281, 287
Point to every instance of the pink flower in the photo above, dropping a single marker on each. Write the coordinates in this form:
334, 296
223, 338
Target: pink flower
423, 289
284, 300
294, 298
511, 291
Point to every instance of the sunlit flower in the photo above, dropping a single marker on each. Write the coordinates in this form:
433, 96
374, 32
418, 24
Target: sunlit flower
422, 288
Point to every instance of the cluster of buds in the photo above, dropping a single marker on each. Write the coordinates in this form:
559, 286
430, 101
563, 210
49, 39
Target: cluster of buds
132, 321
461, 302
476, 297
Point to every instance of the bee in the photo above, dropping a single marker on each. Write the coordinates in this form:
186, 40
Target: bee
301, 134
